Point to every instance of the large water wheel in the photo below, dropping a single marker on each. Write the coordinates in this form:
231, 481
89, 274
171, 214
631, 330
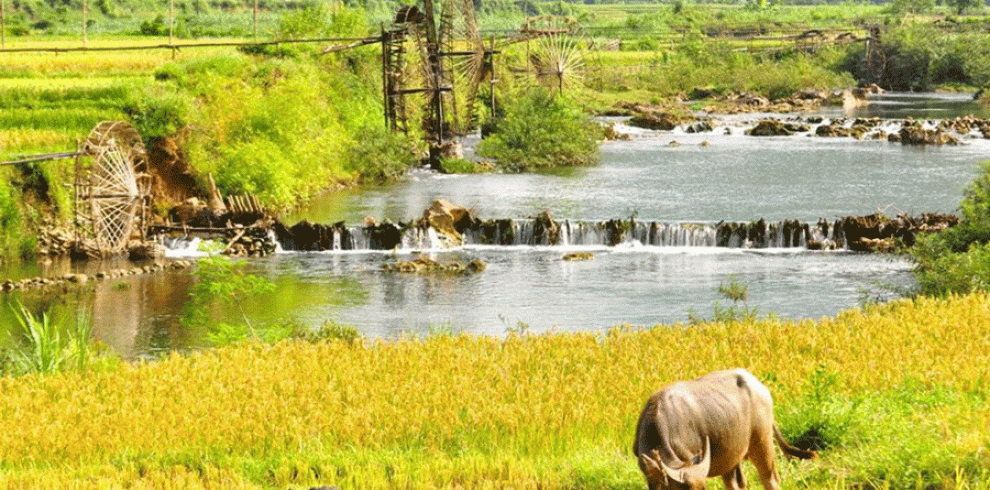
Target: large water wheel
112, 192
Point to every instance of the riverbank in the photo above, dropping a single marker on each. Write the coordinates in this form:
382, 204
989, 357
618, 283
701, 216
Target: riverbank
890, 395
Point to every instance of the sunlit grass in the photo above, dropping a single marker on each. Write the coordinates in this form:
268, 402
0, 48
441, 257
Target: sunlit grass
19, 141
99, 63
900, 393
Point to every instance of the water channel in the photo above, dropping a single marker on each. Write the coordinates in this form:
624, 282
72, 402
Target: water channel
704, 178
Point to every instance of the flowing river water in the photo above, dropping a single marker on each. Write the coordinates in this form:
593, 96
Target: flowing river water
702, 179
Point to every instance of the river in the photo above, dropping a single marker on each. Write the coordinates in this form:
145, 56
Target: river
704, 178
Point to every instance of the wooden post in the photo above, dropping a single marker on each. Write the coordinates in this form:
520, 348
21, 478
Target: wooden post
3, 26
171, 23
255, 20
385, 77
436, 76
492, 80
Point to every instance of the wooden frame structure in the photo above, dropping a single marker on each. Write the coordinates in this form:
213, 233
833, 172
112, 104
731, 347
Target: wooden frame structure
112, 194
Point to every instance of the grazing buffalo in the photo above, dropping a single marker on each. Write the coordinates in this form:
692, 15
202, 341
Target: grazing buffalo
693, 430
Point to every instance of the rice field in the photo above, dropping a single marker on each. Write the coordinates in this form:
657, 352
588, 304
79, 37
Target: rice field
893, 396
50, 100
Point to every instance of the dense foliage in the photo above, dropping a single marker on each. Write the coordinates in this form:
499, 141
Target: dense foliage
921, 57
894, 396
957, 260
541, 130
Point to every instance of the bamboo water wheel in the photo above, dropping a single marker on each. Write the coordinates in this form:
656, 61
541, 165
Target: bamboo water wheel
439, 53
112, 192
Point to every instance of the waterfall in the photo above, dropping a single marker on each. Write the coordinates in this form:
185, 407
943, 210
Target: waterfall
543, 232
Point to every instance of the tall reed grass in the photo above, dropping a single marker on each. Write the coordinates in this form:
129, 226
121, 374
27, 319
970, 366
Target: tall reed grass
46, 347
895, 395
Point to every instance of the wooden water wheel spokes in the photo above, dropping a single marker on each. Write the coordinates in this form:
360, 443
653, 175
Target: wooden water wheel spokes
115, 198
109, 196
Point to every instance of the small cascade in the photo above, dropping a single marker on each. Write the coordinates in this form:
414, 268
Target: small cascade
855, 233
576, 233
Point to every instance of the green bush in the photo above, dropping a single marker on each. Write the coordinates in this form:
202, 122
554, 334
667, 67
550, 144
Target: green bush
46, 346
543, 131
381, 156
920, 57
157, 111
957, 260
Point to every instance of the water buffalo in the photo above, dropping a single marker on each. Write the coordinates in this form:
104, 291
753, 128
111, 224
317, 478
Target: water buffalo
690, 431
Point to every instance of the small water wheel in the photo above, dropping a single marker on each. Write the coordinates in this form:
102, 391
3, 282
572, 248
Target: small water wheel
112, 193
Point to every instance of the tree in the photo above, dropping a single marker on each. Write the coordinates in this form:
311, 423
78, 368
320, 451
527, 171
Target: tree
964, 6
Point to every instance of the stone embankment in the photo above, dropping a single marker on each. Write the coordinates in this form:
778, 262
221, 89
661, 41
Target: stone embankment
78, 279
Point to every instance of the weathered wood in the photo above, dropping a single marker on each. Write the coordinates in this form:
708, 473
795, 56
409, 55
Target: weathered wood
45, 157
234, 240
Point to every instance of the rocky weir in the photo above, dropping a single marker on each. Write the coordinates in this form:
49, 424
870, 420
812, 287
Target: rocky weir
854, 233
445, 225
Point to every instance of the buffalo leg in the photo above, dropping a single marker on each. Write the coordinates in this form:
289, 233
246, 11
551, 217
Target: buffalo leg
734, 480
762, 455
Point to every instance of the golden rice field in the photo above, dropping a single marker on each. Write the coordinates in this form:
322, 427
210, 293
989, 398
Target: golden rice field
50, 100
903, 389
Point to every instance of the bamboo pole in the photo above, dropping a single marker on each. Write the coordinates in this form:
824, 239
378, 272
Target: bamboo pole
359, 42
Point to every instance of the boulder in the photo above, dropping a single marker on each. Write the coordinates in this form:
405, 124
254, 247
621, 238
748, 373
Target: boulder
656, 121
776, 127
546, 231
384, 236
449, 219
833, 130
916, 136
701, 126
427, 265
849, 98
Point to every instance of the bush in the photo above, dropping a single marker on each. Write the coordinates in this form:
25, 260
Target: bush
155, 27
157, 112
543, 131
957, 260
380, 156
919, 57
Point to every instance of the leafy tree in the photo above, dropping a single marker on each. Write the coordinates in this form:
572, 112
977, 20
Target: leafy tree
963, 6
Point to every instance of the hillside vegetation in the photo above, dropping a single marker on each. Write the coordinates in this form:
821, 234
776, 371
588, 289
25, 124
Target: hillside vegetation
286, 121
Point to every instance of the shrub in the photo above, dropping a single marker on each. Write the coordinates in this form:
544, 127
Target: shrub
957, 260
154, 27
220, 281
157, 112
543, 131
381, 156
